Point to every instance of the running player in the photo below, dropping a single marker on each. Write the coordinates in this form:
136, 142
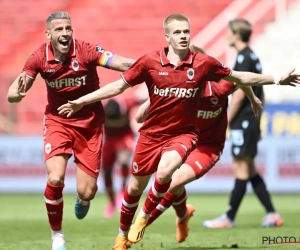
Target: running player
117, 147
212, 124
69, 69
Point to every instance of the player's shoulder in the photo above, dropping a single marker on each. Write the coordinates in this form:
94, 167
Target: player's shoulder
156, 54
247, 54
42, 48
200, 56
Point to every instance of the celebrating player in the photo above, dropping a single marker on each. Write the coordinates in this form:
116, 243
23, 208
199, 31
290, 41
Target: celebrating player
117, 147
212, 124
174, 77
69, 69
245, 134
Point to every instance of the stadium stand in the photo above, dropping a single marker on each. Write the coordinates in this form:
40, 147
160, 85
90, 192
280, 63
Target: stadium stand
130, 28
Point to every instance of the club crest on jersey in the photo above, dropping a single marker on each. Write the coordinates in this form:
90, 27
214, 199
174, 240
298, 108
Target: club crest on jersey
190, 73
214, 100
75, 65
135, 167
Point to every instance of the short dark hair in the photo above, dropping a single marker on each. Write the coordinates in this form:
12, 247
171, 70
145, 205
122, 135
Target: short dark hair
242, 27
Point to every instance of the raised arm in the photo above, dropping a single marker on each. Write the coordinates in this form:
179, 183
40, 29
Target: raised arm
252, 79
17, 90
142, 112
109, 90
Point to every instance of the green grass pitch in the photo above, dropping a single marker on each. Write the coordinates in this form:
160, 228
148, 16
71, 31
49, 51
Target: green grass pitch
23, 225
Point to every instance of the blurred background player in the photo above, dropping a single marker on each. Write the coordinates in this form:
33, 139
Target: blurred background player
245, 134
117, 147
69, 67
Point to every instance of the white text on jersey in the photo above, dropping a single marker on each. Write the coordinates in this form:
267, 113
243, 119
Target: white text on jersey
208, 114
177, 92
67, 82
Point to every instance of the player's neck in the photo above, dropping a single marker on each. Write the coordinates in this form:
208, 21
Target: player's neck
176, 56
239, 46
58, 56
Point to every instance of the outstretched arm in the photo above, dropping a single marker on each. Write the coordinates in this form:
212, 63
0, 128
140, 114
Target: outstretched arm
17, 90
109, 90
142, 112
253, 79
115, 62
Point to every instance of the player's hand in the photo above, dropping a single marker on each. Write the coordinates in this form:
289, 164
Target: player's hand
257, 107
70, 108
290, 79
22, 84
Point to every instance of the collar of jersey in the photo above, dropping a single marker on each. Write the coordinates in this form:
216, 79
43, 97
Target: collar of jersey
164, 60
50, 55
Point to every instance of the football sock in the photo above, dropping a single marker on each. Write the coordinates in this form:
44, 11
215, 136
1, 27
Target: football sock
237, 195
179, 204
125, 174
263, 195
53, 197
109, 190
129, 206
155, 195
164, 204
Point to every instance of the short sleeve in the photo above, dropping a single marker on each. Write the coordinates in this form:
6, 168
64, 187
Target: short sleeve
32, 65
216, 70
137, 73
92, 53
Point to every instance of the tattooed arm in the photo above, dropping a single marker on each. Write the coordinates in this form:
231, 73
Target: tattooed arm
113, 61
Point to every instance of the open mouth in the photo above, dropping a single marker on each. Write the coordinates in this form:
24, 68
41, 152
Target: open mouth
64, 43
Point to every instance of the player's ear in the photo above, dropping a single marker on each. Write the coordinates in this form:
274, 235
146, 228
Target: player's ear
48, 35
167, 37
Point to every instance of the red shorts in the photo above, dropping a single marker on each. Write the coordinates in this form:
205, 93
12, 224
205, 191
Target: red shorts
113, 145
148, 152
86, 144
202, 159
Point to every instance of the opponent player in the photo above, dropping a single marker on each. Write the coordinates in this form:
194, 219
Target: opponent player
212, 124
117, 147
69, 69
245, 134
174, 77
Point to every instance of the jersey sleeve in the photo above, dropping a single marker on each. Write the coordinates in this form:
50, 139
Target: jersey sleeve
32, 65
137, 73
92, 53
216, 70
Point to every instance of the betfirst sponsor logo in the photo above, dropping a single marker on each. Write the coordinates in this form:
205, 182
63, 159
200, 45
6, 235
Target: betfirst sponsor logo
208, 114
67, 82
176, 92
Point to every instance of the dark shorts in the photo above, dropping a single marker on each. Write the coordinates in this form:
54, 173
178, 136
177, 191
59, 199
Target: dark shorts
244, 135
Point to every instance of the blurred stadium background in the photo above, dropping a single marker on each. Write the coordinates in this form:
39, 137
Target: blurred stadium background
132, 28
